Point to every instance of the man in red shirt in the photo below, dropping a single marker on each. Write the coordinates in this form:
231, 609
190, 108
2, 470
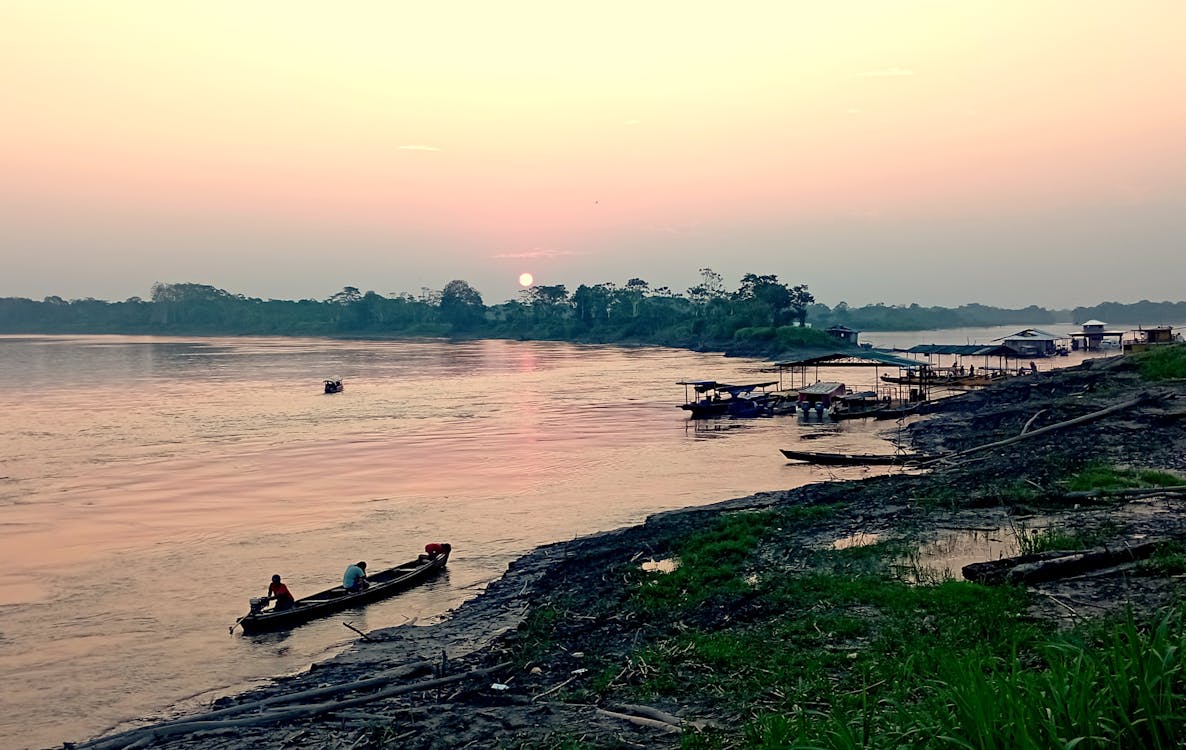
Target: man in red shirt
435, 550
279, 592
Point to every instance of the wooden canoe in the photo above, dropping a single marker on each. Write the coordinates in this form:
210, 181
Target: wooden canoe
383, 583
847, 459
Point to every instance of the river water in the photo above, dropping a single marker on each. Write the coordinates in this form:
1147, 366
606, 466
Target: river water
149, 486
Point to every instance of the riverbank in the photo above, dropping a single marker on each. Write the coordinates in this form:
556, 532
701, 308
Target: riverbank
786, 610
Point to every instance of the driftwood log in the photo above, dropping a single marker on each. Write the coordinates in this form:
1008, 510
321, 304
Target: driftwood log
1051, 566
1140, 399
643, 721
1122, 493
205, 723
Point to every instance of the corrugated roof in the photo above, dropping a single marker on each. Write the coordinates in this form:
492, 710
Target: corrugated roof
1032, 334
971, 350
863, 358
822, 388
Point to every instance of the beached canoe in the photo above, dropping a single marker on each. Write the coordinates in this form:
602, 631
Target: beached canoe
847, 459
383, 583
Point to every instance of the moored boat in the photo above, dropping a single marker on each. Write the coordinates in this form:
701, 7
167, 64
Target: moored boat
848, 459
382, 584
723, 399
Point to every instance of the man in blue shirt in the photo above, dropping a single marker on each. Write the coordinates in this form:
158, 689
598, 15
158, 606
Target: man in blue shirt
355, 578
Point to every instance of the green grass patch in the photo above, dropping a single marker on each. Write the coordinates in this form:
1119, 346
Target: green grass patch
535, 637
1105, 477
1032, 541
1168, 560
1162, 362
715, 562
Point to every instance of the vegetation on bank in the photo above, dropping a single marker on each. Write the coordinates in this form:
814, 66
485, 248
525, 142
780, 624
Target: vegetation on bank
1162, 362
763, 315
840, 648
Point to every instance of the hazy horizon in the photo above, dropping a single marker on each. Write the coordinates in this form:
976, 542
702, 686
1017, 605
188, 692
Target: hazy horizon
930, 152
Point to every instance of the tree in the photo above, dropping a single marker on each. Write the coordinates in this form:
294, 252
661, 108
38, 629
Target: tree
770, 300
461, 304
348, 295
711, 287
800, 298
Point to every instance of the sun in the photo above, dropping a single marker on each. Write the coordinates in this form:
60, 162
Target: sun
526, 279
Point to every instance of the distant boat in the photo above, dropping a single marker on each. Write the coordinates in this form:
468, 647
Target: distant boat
333, 386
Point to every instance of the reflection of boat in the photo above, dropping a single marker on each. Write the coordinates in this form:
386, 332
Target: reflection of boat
382, 584
847, 459
724, 399
333, 386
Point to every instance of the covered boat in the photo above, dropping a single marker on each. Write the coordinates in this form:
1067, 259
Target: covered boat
716, 399
383, 583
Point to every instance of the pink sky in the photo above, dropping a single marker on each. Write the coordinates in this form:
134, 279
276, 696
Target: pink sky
1013, 150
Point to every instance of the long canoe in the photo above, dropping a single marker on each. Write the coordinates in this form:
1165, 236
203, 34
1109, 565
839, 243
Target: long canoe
383, 583
847, 459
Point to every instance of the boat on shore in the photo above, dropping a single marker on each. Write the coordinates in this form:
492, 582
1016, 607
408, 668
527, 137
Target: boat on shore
849, 459
383, 583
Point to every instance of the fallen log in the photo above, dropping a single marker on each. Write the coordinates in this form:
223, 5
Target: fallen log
1122, 493
1051, 566
643, 721
407, 670
191, 726
1140, 399
647, 711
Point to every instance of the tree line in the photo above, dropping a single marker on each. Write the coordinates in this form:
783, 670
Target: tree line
763, 315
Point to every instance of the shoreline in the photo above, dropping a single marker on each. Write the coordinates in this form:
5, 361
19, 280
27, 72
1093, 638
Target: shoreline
482, 632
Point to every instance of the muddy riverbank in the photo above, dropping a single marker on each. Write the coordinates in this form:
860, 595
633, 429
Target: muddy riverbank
497, 673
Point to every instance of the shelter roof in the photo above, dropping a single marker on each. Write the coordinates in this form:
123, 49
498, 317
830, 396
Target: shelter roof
973, 350
1094, 322
822, 388
736, 389
863, 358
1032, 334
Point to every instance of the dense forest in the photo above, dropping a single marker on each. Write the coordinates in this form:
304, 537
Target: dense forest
762, 316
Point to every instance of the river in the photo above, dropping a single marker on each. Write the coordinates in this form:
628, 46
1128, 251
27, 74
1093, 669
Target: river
149, 486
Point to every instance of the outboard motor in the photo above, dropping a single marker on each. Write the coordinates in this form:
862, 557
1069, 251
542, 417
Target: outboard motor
258, 603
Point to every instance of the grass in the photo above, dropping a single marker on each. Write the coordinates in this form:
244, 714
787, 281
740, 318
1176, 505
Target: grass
834, 651
1106, 477
1032, 541
1162, 363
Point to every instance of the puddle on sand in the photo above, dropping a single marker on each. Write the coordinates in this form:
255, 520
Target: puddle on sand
666, 565
859, 539
945, 556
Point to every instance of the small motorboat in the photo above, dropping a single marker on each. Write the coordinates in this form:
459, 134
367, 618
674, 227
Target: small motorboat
333, 386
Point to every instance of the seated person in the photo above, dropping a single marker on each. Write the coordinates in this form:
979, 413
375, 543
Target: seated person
279, 593
433, 550
355, 578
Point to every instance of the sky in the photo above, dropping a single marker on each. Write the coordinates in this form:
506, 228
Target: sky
1005, 152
